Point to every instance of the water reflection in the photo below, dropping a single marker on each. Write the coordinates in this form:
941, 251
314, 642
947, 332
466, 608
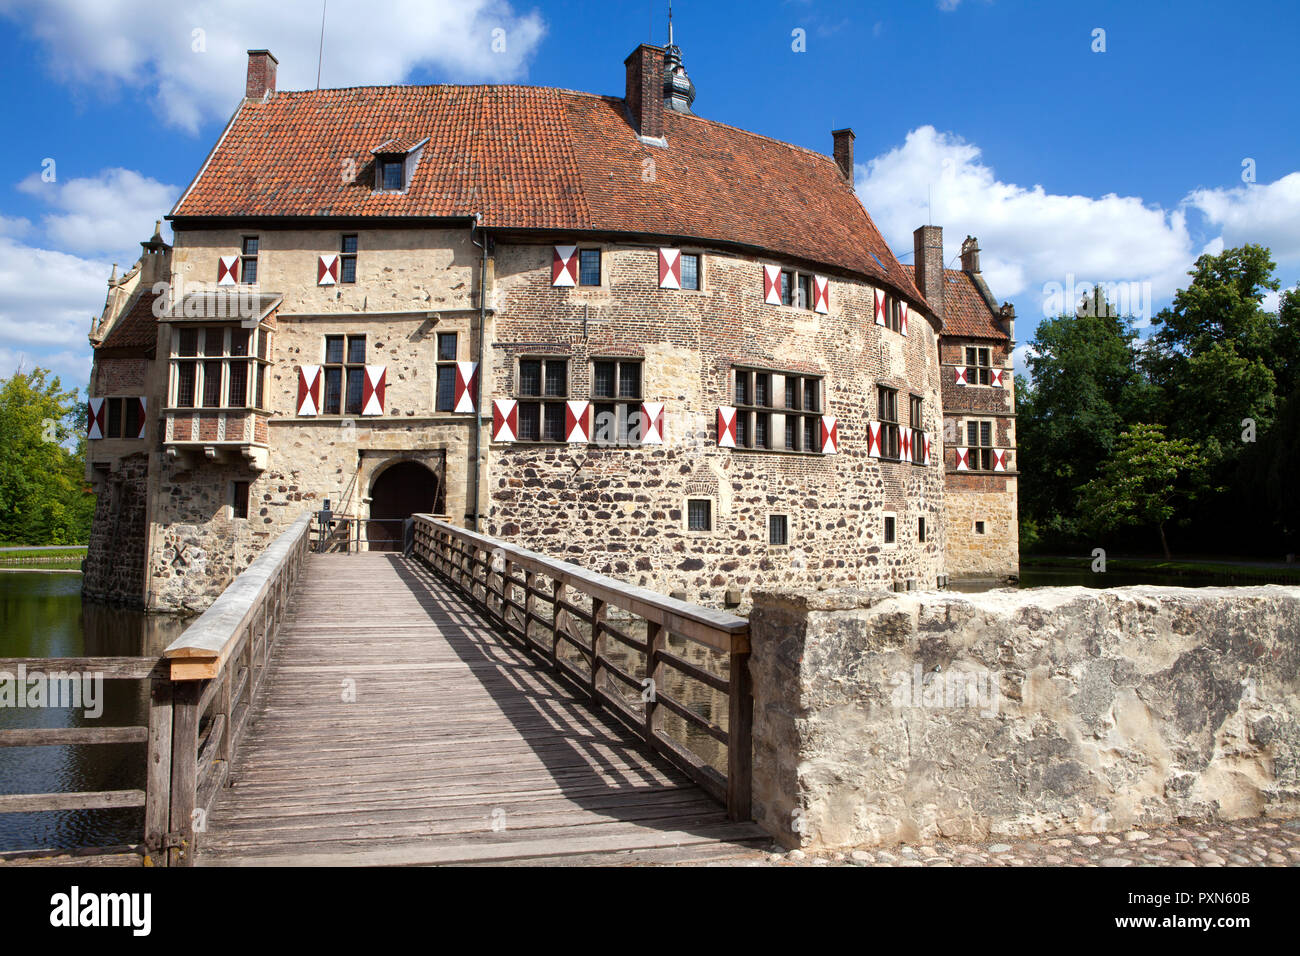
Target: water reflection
42, 615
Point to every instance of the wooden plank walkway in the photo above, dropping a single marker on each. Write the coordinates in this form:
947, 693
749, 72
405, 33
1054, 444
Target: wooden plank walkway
458, 749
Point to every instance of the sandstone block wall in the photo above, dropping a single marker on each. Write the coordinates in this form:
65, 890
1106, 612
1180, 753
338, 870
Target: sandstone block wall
882, 718
116, 552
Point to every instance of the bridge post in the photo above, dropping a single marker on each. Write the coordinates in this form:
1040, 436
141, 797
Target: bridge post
185, 766
597, 619
740, 735
557, 597
655, 640
158, 770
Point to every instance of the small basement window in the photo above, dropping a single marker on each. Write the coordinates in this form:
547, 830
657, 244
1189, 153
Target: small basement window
778, 530
699, 514
979, 527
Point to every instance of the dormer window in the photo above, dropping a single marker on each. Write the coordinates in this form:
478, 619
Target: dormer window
390, 175
395, 162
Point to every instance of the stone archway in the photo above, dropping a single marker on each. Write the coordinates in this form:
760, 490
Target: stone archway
403, 488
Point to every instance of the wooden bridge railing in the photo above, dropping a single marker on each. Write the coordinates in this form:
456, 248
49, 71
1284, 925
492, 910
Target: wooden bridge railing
543, 610
200, 694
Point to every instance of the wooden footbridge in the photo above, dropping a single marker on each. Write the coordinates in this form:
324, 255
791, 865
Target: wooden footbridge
464, 702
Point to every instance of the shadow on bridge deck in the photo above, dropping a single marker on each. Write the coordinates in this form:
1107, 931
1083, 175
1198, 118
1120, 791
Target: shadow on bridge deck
458, 747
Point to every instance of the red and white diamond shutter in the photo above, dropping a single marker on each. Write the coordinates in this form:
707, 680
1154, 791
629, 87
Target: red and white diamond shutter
726, 427
995, 376
466, 386
772, 285
308, 390
873, 439
902, 317
830, 435
652, 423
999, 459
505, 419
95, 418
959, 375
143, 421
564, 266
925, 445
963, 459
228, 270
372, 390
327, 270
880, 307
577, 422
904, 443
670, 268
821, 294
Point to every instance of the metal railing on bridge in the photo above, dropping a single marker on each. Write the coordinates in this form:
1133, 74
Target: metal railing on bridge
556, 605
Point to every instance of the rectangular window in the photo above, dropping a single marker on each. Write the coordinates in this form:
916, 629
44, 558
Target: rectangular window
248, 261
690, 270
446, 388
114, 418
920, 530
348, 259
979, 439
543, 388
391, 175
778, 530
890, 535
893, 314
787, 288
979, 527
805, 300
239, 499
917, 422
978, 366
131, 428
764, 422
214, 367
345, 374
699, 514
589, 267
887, 407
445, 400
616, 392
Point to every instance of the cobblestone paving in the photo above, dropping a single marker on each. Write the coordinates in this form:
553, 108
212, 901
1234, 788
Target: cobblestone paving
1246, 843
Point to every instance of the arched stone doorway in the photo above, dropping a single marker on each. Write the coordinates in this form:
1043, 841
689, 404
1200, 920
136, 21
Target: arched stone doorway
399, 491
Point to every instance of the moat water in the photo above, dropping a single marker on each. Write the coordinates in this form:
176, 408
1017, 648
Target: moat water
43, 615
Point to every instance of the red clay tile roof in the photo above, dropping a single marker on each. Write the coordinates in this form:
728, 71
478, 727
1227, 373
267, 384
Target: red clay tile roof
966, 312
135, 331
536, 158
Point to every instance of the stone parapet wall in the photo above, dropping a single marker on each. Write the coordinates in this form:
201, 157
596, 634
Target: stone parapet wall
882, 718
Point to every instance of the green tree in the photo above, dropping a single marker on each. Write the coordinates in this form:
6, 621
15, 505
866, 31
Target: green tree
1140, 484
1086, 386
43, 493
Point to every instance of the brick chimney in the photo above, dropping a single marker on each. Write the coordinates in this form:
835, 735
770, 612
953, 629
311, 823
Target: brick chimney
970, 255
645, 90
261, 74
844, 151
927, 246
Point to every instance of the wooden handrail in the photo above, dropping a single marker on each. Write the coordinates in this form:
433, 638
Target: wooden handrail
486, 570
200, 652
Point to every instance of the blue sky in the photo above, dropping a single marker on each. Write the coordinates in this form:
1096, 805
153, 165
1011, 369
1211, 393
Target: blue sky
989, 117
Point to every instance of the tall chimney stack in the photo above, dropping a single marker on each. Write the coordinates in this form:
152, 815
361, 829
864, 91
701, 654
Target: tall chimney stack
645, 90
844, 151
970, 255
927, 246
261, 74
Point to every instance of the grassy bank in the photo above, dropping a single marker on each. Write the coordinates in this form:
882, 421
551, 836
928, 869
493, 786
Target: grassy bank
1236, 570
19, 557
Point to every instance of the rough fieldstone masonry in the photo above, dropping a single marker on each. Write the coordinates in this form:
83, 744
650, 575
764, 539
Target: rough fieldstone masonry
883, 718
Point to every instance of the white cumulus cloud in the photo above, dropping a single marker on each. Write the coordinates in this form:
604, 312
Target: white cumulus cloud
1266, 213
191, 57
1028, 236
47, 299
108, 214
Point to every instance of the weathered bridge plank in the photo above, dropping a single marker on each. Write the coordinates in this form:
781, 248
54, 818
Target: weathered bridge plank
458, 747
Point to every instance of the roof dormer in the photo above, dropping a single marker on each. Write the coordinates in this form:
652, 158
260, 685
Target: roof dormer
395, 163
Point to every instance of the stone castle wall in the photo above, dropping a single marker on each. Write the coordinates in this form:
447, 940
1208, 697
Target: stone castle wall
119, 532
882, 718
620, 511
